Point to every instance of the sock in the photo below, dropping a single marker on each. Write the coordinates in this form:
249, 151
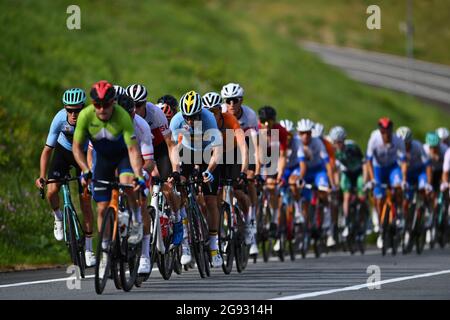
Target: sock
183, 213
105, 244
146, 246
249, 214
297, 206
185, 229
57, 214
213, 241
137, 216
177, 216
88, 243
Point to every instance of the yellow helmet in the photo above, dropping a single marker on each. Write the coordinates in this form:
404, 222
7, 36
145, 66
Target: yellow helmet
190, 103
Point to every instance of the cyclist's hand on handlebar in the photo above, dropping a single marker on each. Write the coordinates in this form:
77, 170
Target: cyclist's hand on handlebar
428, 188
259, 179
40, 182
174, 177
369, 185
85, 177
242, 178
301, 183
207, 176
444, 186
139, 183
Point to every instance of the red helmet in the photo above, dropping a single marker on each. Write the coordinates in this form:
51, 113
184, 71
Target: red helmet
385, 123
102, 92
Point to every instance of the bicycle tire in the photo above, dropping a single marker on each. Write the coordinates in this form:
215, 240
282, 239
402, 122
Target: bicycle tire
73, 244
129, 263
226, 246
196, 241
108, 222
242, 253
177, 267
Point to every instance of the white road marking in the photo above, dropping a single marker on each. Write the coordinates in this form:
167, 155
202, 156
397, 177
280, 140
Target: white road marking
39, 282
361, 286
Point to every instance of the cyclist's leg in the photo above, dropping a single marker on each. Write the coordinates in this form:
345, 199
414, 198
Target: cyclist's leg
126, 176
59, 168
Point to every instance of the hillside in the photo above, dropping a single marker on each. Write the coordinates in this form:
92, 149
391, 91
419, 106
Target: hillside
171, 47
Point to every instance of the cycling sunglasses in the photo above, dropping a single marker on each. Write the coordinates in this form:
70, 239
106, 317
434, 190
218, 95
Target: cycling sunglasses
195, 117
73, 110
105, 105
234, 100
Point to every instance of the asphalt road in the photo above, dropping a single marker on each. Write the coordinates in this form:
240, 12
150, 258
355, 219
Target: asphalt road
334, 276
429, 81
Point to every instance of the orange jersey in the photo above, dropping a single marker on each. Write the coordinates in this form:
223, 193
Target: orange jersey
228, 121
330, 150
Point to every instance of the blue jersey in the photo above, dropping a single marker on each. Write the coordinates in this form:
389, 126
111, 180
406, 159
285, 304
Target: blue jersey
61, 131
205, 133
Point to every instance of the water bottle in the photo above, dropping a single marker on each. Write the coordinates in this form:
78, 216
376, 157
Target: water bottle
124, 218
164, 222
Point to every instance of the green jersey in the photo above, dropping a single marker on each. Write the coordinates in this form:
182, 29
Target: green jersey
350, 159
109, 138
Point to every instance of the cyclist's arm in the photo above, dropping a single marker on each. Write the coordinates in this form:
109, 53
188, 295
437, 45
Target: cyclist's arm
254, 141
173, 155
404, 166
281, 164
429, 171
240, 139
216, 156
330, 173
135, 159
90, 158
45, 159
303, 168
80, 156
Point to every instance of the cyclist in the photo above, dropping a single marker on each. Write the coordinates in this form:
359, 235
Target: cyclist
443, 134
292, 163
230, 168
329, 221
276, 140
59, 143
157, 121
350, 164
144, 138
233, 96
445, 171
384, 151
419, 170
436, 152
110, 129
314, 165
195, 130
168, 105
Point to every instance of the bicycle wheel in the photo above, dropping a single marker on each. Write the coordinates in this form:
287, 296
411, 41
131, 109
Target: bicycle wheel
243, 252
282, 233
226, 245
196, 239
76, 252
421, 232
177, 267
129, 262
106, 233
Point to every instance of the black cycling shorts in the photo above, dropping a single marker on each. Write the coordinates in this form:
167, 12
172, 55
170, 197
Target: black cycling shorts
162, 160
437, 175
105, 169
62, 161
230, 170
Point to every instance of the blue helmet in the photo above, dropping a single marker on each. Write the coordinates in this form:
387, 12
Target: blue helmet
74, 96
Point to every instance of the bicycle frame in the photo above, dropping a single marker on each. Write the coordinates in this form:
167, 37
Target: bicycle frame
68, 204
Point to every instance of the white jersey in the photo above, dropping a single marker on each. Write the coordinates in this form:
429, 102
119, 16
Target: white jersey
157, 121
385, 155
436, 161
315, 155
248, 119
144, 137
416, 157
446, 167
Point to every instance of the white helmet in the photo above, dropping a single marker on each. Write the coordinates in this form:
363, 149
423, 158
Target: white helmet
137, 92
318, 129
305, 125
190, 103
338, 134
287, 124
119, 90
211, 100
404, 133
232, 90
442, 133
